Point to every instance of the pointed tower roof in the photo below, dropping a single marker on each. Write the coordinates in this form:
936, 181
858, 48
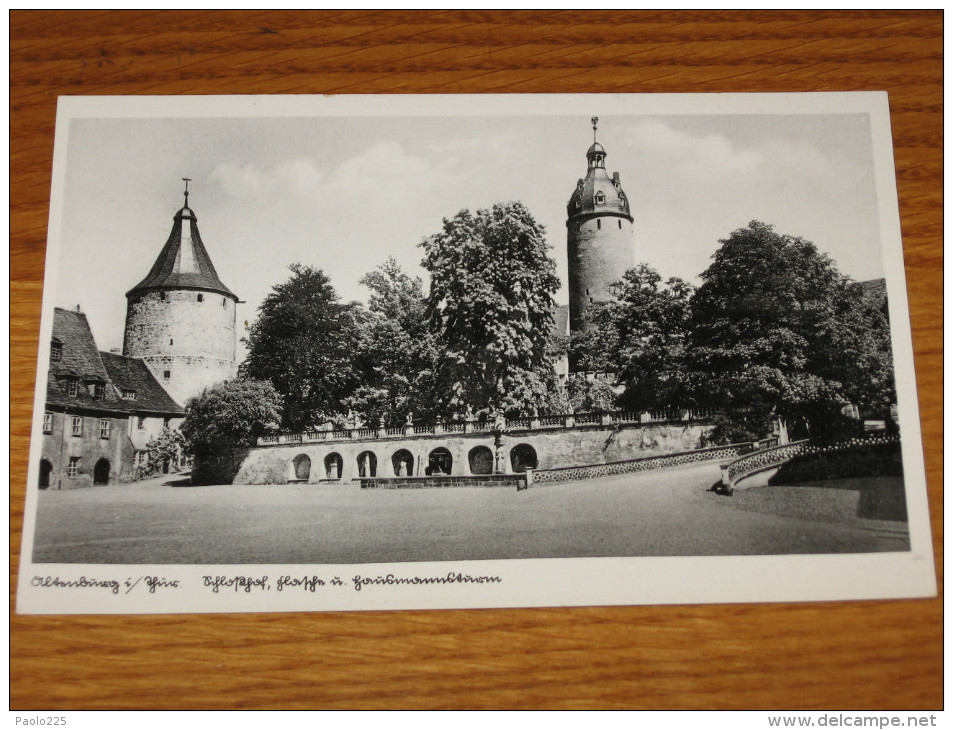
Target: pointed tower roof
598, 194
183, 262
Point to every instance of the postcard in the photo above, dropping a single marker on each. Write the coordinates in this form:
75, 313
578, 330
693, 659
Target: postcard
305, 353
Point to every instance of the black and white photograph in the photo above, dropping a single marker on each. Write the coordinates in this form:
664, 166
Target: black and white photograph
344, 353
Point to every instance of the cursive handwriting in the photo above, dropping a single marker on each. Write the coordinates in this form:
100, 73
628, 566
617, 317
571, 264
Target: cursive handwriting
391, 580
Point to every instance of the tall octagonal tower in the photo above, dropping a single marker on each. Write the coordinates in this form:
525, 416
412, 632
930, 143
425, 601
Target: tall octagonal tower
599, 235
180, 319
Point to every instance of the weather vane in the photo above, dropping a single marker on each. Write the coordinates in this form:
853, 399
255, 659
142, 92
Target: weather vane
187, 181
595, 123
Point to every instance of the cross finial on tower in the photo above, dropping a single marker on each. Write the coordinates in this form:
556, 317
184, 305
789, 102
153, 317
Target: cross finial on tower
187, 181
595, 123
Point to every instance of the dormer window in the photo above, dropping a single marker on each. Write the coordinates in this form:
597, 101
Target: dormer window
96, 388
56, 351
72, 387
600, 198
201, 297
128, 393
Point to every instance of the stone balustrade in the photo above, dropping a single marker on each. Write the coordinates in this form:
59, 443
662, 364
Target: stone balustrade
533, 423
774, 456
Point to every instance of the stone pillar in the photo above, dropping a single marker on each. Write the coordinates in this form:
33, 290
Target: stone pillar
529, 479
500, 460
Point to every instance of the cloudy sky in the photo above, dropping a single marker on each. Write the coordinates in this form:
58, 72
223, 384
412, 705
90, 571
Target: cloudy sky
344, 192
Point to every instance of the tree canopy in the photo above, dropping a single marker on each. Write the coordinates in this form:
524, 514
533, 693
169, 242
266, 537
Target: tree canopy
490, 308
640, 337
303, 342
396, 350
225, 421
776, 326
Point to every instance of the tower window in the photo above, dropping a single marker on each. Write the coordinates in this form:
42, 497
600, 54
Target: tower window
599, 225
223, 301
171, 342
161, 296
200, 297
620, 225
166, 374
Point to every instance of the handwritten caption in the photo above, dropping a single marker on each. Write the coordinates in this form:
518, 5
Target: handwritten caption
258, 583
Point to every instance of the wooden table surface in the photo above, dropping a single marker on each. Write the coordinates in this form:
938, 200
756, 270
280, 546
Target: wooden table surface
861, 655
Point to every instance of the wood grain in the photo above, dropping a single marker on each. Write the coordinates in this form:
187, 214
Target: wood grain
862, 655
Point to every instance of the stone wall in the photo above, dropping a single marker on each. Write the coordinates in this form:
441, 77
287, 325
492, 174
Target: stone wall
600, 252
553, 447
188, 344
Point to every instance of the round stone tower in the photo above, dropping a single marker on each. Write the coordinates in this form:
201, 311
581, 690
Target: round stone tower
599, 235
180, 319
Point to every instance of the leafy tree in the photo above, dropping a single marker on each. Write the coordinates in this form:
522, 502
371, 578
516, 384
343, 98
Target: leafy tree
303, 343
166, 448
776, 328
641, 338
396, 350
589, 396
223, 422
490, 308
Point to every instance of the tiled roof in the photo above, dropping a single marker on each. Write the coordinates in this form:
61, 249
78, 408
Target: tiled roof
79, 361
132, 374
183, 262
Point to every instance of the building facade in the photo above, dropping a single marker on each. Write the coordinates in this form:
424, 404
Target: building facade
90, 418
180, 319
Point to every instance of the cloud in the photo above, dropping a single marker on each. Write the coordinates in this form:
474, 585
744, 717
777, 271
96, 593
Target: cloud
384, 172
696, 155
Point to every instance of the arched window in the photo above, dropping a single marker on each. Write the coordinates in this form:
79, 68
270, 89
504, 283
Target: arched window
523, 456
367, 464
333, 466
403, 462
302, 466
481, 460
440, 462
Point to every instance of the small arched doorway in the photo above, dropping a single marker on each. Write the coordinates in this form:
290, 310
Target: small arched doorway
46, 468
333, 466
481, 460
440, 462
302, 464
367, 464
101, 472
403, 462
523, 456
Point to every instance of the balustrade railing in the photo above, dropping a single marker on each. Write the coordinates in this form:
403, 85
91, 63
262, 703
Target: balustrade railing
768, 458
487, 426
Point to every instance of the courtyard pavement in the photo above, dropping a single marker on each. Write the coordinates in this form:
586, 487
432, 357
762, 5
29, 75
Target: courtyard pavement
662, 513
